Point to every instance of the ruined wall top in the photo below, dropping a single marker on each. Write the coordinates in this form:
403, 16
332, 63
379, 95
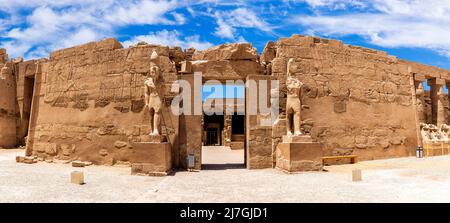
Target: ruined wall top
283, 48
107, 44
428, 71
311, 41
3, 56
232, 51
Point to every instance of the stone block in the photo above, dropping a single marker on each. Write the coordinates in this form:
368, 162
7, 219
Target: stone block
19, 159
26, 159
151, 158
153, 138
297, 139
186, 67
77, 177
233, 51
294, 157
148, 169
80, 163
356, 175
419, 77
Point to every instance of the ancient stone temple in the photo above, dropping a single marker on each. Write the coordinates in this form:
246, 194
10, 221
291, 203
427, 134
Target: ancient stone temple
106, 104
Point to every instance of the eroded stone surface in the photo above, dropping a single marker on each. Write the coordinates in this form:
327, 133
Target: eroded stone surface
89, 101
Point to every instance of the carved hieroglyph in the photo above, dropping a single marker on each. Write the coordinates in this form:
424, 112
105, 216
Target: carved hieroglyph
152, 97
293, 103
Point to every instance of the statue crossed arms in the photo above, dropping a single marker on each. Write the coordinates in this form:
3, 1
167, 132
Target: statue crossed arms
152, 97
293, 103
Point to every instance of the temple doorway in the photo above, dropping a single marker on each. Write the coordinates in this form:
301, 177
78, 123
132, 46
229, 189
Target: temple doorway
223, 138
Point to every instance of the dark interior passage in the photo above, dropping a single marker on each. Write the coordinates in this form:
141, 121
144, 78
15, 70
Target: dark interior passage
213, 127
27, 103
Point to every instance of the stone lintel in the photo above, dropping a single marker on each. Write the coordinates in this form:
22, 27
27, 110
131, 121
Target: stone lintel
436, 81
419, 77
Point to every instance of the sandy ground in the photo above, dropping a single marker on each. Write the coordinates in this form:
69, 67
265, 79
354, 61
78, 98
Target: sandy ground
394, 180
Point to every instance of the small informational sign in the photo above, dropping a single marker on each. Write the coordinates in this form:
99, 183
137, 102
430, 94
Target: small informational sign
191, 161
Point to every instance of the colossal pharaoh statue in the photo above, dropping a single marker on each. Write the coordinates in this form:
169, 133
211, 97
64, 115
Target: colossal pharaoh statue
152, 97
293, 104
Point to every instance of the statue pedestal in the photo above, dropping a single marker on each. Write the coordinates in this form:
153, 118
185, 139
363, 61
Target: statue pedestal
297, 139
293, 155
154, 159
153, 138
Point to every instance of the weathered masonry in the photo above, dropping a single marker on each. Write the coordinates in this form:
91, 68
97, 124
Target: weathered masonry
89, 103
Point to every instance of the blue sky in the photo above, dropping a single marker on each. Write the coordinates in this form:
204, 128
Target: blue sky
415, 30
222, 91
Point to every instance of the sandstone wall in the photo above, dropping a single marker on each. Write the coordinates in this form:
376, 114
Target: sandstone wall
90, 102
259, 152
7, 103
360, 100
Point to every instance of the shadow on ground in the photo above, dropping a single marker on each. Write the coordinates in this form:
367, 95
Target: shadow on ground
226, 166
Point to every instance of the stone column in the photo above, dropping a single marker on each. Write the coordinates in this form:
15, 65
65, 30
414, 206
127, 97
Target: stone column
420, 98
436, 94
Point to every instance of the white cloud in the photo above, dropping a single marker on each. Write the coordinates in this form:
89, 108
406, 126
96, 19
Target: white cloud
179, 18
388, 23
170, 38
335, 4
53, 25
228, 21
48, 30
141, 12
223, 29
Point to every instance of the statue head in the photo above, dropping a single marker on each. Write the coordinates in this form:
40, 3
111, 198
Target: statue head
424, 126
154, 69
154, 73
420, 90
4, 72
445, 128
289, 64
432, 127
